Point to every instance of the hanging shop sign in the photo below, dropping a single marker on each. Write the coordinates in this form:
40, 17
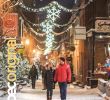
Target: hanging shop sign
102, 26
80, 33
10, 25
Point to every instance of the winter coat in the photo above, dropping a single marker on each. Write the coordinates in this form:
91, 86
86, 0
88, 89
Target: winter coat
62, 73
43, 72
49, 78
33, 73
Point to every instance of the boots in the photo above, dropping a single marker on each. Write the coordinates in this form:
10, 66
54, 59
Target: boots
49, 98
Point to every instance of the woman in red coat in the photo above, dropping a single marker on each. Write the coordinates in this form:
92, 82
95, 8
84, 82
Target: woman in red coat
63, 76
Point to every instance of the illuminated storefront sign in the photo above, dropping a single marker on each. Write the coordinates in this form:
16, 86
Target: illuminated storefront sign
11, 77
10, 31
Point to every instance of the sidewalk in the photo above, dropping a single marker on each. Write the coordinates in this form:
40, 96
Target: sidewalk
74, 93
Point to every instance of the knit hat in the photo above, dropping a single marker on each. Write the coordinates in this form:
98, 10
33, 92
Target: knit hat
62, 58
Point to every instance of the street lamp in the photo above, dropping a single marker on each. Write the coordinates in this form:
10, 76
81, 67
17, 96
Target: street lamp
100, 36
22, 42
27, 41
34, 51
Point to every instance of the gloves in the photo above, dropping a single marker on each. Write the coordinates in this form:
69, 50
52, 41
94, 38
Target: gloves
68, 82
55, 82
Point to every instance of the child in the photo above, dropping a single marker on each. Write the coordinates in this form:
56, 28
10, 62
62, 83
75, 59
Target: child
49, 79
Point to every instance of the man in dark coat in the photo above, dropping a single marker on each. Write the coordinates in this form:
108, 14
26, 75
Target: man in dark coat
33, 75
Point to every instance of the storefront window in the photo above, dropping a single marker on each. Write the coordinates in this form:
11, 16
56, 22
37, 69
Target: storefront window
101, 53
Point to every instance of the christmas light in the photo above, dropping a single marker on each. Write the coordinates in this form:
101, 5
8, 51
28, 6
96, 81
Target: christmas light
34, 51
47, 51
53, 13
27, 41
44, 8
49, 40
47, 26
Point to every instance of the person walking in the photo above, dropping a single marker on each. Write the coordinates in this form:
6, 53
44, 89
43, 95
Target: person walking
43, 76
33, 75
63, 77
71, 68
49, 79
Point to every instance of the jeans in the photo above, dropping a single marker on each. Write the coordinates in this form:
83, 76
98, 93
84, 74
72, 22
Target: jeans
63, 90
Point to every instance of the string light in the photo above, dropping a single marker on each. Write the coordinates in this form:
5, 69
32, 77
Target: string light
27, 41
51, 4
44, 8
48, 25
49, 15
53, 13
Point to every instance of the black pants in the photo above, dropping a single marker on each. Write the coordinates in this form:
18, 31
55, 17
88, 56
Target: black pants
63, 90
33, 82
49, 93
43, 82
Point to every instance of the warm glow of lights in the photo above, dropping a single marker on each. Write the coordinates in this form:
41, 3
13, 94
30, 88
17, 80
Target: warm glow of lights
108, 48
22, 42
27, 41
34, 51
38, 53
100, 36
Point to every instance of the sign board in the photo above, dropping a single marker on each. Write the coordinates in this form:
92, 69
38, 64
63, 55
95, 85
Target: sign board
102, 26
80, 33
10, 25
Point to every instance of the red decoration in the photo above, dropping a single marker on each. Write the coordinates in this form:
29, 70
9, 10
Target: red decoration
10, 25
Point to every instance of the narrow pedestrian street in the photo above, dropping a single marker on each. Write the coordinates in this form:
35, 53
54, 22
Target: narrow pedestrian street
74, 93
61, 43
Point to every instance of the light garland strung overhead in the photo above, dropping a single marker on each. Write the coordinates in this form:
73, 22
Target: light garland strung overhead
48, 25
54, 48
30, 9
22, 5
53, 11
50, 15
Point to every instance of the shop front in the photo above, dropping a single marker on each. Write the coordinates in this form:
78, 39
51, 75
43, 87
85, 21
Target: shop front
79, 55
98, 44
